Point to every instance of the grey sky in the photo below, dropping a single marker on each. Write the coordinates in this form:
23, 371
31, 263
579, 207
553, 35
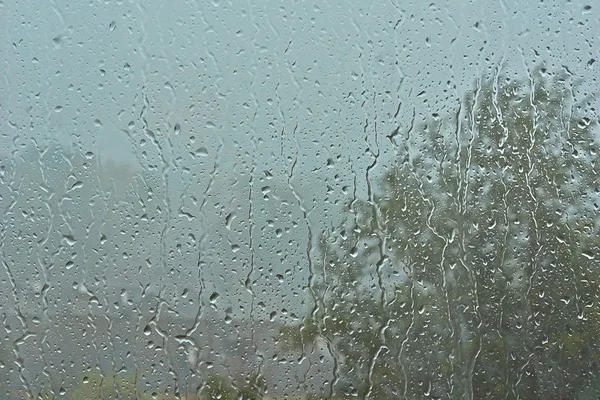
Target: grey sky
214, 130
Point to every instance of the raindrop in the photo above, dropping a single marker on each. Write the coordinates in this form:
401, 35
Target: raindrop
213, 297
70, 240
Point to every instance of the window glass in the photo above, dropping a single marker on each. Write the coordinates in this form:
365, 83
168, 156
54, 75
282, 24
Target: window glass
325, 200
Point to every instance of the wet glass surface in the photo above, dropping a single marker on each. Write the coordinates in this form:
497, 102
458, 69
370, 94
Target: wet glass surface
324, 200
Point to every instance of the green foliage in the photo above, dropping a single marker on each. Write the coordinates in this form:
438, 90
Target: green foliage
125, 386
98, 386
220, 387
471, 270
293, 337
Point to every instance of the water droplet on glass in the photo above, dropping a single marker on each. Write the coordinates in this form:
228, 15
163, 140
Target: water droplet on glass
213, 297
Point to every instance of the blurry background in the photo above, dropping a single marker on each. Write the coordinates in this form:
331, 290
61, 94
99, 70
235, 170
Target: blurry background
328, 199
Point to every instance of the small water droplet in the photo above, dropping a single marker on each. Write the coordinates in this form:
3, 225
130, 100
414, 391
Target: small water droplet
214, 297
588, 254
70, 240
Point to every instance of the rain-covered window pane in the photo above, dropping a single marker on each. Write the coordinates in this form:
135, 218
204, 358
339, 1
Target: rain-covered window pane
282, 199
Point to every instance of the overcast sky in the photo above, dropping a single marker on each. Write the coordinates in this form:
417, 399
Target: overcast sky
222, 134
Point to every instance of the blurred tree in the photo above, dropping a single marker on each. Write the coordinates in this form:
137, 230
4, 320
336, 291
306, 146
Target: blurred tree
220, 387
97, 386
471, 268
